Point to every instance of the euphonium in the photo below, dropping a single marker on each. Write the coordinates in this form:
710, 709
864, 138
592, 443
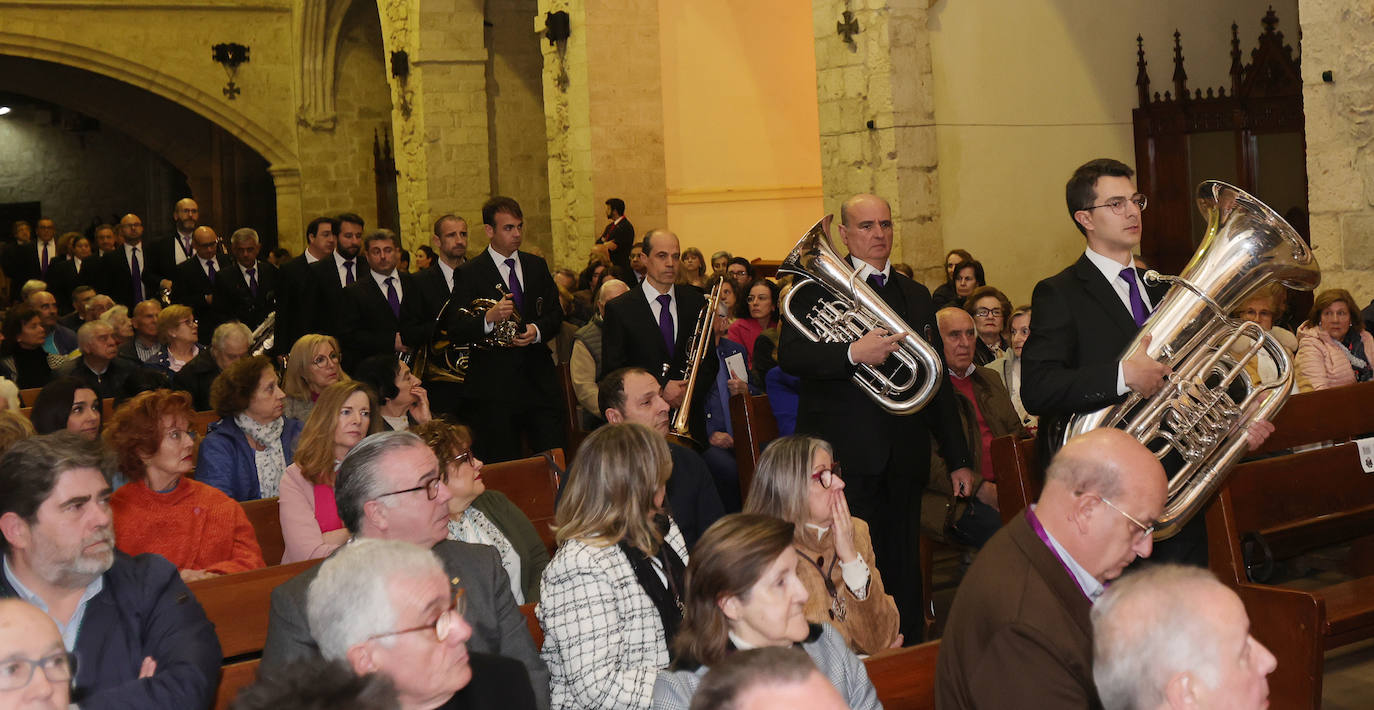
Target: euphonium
698, 349
846, 311
1199, 416
443, 360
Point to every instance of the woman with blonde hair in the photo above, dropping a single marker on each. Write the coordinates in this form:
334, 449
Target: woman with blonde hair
312, 366
612, 595
179, 334
311, 527
798, 481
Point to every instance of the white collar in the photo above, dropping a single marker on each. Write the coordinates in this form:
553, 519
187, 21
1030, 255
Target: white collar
866, 269
1086, 582
967, 373
499, 259
1109, 267
652, 293
820, 531
740, 644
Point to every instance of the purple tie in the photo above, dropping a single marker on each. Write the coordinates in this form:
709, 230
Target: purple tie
877, 280
348, 266
392, 298
515, 291
45, 259
210, 267
665, 323
253, 281
1138, 310
137, 275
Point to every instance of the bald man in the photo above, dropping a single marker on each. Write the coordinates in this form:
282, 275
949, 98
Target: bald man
125, 275
30, 642
172, 250
193, 282
1019, 632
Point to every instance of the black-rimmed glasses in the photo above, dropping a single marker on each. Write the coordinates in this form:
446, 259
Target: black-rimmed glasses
430, 487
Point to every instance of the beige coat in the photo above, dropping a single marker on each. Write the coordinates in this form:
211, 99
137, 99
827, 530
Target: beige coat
869, 625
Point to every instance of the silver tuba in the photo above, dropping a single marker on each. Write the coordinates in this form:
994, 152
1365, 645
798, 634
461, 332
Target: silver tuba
1199, 417
846, 311
265, 335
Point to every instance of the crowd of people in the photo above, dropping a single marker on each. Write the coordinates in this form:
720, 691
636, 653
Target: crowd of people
670, 586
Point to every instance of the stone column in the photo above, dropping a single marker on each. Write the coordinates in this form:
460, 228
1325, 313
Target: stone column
877, 119
290, 230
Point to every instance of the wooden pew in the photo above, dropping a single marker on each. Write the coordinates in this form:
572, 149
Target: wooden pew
572, 413
532, 485
238, 605
532, 623
1018, 474
265, 518
755, 426
233, 678
905, 678
29, 396
201, 421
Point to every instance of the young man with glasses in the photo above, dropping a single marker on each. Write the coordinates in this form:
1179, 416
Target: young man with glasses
1019, 633
391, 487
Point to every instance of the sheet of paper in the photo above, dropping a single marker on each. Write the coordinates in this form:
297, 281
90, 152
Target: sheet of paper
1366, 454
735, 364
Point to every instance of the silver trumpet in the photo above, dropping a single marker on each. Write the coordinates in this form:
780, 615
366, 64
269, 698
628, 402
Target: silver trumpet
1197, 415
846, 311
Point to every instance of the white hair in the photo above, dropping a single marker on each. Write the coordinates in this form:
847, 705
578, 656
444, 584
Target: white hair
349, 601
231, 330
10, 393
89, 331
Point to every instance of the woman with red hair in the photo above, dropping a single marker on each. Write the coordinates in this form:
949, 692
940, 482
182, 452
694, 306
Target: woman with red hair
196, 527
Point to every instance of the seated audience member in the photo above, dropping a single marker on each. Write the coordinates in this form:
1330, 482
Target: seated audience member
1019, 634
228, 345
96, 307
140, 638
9, 395
944, 294
179, 334
21, 349
783, 391
1334, 349
692, 268
161, 511
1008, 366
612, 595
67, 404
37, 674
585, 362
990, 309
968, 277
741, 272
729, 303
117, 317
74, 309
245, 452
317, 684
797, 481
31, 287
769, 678
742, 593
278, 256
310, 522
144, 346
99, 366
312, 366
14, 427
719, 454
390, 487
57, 338
484, 517
905, 270
758, 313
719, 261
387, 607
402, 401
575, 312
986, 413
1263, 307
632, 395
1173, 637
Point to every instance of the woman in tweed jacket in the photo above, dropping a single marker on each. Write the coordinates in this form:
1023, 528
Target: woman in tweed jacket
743, 592
610, 594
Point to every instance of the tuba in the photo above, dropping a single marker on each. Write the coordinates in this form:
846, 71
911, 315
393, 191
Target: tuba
265, 335
1200, 416
698, 349
443, 360
846, 311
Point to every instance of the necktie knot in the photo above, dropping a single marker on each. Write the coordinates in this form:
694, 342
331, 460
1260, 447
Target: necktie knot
877, 280
664, 300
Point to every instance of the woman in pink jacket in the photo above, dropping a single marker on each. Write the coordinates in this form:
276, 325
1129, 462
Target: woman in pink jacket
1333, 347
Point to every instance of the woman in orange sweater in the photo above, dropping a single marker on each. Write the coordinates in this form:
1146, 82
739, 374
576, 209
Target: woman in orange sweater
196, 527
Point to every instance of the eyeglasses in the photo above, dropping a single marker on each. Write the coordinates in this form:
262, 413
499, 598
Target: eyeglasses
441, 626
320, 360
189, 322
15, 673
430, 487
1118, 204
460, 459
827, 476
1142, 530
988, 312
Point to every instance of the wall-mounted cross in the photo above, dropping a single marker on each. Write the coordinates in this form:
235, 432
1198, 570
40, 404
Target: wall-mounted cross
847, 27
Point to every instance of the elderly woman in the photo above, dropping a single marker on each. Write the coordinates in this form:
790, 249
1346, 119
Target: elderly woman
989, 308
968, 277
118, 318
484, 517
1009, 364
758, 313
179, 334
67, 404
612, 595
312, 366
798, 481
1261, 308
310, 523
403, 402
1334, 349
944, 294
692, 269
161, 511
22, 358
246, 451
743, 592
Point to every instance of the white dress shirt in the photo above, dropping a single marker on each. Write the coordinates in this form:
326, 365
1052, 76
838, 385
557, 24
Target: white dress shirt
395, 281
342, 270
1111, 270
501, 268
866, 270
448, 273
652, 294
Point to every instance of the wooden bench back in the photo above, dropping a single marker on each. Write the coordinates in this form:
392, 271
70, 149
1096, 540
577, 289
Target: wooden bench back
572, 413
532, 623
201, 421
265, 518
1019, 478
238, 604
29, 396
1336, 414
532, 485
905, 678
233, 678
755, 426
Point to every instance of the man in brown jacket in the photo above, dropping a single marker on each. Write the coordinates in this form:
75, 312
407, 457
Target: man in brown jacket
1019, 633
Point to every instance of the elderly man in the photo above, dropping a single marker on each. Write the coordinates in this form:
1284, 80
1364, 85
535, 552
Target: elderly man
106, 240
390, 487
38, 669
248, 291
139, 636
585, 363
100, 366
60, 339
1171, 637
144, 346
193, 282
770, 678
387, 607
230, 343
1018, 633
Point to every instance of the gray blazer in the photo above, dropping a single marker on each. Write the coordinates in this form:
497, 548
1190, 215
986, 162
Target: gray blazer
498, 627
673, 690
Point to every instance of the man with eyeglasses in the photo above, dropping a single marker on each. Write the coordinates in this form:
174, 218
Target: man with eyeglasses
391, 487
139, 637
35, 669
387, 607
193, 282
1019, 633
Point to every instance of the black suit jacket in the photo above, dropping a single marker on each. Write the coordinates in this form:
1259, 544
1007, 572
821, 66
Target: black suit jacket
497, 683
295, 305
868, 438
622, 234
118, 281
435, 289
191, 287
23, 263
324, 292
162, 256
234, 300
367, 325
518, 372
63, 278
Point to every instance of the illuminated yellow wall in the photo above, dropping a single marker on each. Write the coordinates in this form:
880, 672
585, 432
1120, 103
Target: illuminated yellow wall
741, 147
1027, 90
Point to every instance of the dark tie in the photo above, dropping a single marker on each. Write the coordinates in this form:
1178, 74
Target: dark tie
210, 270
877, 280
1138, 310
348, 266
515, 290
392, 298
45, 258
137, 274
665, 323
186, 247
253, 280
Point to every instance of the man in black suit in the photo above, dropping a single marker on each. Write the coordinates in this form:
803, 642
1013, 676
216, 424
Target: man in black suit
886, 456
296, 302
618, 241
247, 291
105, 240
649, 326
166, 253
509, 390
193, 284
65, 276
124, 271
450, 241
385, 309
32, 260
332, 274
